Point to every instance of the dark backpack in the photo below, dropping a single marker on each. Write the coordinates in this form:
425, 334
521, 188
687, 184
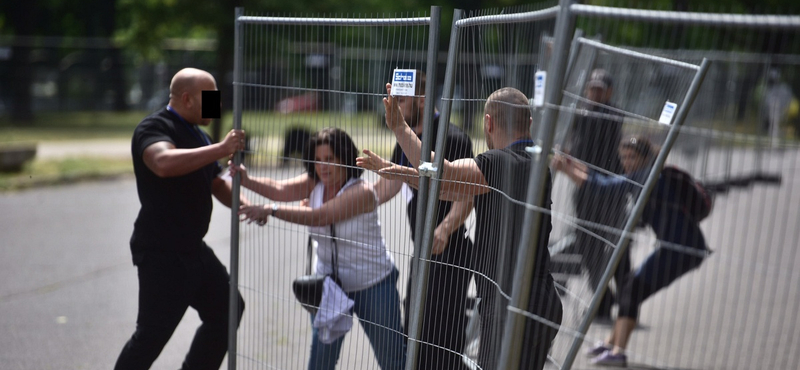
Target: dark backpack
686, 193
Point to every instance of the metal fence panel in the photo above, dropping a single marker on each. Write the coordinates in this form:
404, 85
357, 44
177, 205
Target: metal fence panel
297, 76
738, 139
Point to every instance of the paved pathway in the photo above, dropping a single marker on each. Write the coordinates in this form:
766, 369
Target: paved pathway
118, 148
68, 290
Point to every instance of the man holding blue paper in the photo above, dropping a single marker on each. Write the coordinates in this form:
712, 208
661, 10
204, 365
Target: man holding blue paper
497, 181
443, 334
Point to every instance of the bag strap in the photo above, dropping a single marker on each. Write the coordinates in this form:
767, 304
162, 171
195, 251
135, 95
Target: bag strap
309, 254
334, 254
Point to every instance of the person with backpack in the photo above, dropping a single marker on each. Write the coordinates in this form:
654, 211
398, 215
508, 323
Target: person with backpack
674, 210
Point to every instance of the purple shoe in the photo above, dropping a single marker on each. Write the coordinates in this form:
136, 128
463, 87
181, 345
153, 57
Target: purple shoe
597, 350
609, 359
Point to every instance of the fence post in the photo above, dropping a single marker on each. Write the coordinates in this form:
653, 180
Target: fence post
422, 243
233, 300
526, 254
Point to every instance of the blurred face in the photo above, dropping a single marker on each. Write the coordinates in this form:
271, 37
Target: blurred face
411, 108
631, 161
197, 101
328, 168
598, 94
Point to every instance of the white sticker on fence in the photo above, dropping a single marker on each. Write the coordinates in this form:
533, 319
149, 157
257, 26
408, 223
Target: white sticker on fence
668, 112
403, 82
538, 88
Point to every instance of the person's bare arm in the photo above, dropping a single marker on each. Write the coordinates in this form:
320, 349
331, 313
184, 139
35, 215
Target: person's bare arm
386, 189
165, 160
354, 201
576, 171
459, 178
451, 222
222, 190
406, 137
289, 190
464, 188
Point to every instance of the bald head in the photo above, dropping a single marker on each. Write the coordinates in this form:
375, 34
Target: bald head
509, 110
185, 93
187, 80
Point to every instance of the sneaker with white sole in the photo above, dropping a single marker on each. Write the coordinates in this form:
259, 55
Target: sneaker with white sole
611, 360
597, 349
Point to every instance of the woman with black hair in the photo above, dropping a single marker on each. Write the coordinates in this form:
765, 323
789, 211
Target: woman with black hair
682, 246
338, 196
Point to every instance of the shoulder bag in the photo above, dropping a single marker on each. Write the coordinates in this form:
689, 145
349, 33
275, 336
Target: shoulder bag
308, 288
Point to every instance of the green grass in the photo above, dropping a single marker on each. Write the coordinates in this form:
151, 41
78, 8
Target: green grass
51, 172
65, 126
120, 125
71, 126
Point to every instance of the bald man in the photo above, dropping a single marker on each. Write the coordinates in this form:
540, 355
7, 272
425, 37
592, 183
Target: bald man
499, 217
176, 170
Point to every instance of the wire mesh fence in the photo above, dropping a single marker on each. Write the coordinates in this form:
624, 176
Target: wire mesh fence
663, 144
298, 77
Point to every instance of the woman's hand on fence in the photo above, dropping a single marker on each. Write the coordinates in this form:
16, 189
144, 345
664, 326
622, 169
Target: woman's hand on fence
240, 169
257, 213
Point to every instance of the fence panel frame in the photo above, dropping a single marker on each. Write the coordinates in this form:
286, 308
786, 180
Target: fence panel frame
418, 289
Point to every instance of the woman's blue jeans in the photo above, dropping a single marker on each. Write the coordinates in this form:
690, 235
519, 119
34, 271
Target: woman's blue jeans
378, 310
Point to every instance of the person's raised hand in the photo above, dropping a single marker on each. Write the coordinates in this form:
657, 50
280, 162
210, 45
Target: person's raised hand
394, 118
233, 142
372, 161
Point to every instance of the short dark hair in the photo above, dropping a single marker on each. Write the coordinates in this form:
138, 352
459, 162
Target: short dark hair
509, 109
641, 146
342, 146
600, 78
419, 89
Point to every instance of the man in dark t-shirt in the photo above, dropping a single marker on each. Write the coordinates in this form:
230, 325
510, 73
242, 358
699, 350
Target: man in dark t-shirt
593, 139
497, 180
443, 332
176, 171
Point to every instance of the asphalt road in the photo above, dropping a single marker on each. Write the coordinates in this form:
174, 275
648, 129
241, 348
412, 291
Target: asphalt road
68, 289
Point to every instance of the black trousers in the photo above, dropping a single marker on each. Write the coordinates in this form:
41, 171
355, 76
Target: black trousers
595, 254
168, 285
595, 257
538, 337
445, 320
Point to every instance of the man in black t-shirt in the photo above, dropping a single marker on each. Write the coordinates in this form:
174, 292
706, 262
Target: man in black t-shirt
176, 171
594, 138
443, 332
491, 179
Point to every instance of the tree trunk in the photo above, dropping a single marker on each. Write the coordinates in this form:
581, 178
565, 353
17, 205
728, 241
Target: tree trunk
23, 19
21, 81
114, 76
225, 49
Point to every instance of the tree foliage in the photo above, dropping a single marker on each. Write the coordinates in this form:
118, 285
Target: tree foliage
141, 26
